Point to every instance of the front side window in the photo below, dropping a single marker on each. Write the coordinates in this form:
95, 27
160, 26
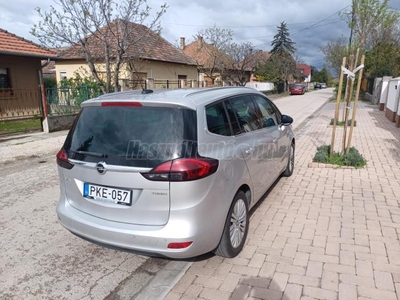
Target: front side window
246, 113
270, 116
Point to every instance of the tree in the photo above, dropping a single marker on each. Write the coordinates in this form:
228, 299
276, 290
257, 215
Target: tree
282, 44
371, 21
269, 71
242, 59
321, 76
99, 30
282, 53
383, 60
277, 69
334, 51
211, 53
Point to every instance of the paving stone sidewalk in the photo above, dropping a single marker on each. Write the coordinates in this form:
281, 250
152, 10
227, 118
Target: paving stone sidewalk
324, 233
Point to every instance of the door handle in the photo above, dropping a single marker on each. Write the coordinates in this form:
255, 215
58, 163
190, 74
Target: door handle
249, 151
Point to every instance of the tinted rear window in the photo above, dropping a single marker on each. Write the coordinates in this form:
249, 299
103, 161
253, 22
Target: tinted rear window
133, 136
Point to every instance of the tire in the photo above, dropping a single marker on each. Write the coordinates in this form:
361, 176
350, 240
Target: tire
290, 165
235, 233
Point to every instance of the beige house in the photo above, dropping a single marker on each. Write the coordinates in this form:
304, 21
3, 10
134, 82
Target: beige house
149, 57
217, 68
20, 75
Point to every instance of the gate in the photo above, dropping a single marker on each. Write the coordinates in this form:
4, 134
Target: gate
20, 104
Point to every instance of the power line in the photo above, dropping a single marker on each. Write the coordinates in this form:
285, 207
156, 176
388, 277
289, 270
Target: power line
270, 35
257, 26
247, 26
314, 25
301, 31
309, 27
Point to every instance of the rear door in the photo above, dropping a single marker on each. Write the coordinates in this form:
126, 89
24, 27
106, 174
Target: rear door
110, 146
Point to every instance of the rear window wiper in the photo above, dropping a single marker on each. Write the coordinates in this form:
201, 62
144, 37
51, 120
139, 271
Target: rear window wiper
95, 154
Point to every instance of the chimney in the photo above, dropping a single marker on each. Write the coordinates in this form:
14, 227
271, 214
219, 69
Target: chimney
201, 40
183, 43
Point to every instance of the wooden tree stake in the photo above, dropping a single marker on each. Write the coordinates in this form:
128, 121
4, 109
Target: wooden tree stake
355, 105
337, 108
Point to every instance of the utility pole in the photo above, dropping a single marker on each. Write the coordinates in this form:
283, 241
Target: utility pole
353, 13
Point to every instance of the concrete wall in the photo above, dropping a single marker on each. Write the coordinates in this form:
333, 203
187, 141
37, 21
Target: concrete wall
261, 86
384, 92
153, 69
392, 102
57, 123
375, 96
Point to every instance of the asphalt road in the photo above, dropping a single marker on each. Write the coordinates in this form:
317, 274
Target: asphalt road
39, 259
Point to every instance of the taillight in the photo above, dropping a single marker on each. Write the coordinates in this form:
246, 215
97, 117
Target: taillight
121, 103
179, 245
62, 160
184, 169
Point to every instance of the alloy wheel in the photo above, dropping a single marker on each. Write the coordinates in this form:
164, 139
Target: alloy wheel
238, 223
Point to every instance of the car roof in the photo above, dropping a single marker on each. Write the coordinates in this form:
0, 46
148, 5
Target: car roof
189, 98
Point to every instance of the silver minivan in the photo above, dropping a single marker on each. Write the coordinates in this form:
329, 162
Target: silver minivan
172, 172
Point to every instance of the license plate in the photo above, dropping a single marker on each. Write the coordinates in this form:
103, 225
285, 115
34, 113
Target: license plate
107, 194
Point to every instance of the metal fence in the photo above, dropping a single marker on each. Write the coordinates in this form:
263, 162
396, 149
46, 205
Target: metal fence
167, 84
67, 100
137, 84
20, 103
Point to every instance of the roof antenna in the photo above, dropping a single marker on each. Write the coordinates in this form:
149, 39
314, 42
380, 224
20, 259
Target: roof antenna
147, 91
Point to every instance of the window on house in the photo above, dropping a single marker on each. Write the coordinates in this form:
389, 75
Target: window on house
5, 82
63, 75
182, 77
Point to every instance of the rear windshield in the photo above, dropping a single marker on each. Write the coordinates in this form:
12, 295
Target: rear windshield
132, 136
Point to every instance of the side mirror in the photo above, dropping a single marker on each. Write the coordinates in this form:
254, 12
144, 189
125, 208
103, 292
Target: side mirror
286, 120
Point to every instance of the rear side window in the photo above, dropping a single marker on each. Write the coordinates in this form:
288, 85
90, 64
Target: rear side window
133, 136
217, 120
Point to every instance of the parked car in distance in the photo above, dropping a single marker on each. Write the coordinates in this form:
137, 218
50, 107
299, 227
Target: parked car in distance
172, 172
305, 87
323, 85
317, 86
297, 89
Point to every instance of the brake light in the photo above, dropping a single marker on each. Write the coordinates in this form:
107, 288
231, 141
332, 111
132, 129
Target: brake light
179, 245
184, 169
121, 103
62, 160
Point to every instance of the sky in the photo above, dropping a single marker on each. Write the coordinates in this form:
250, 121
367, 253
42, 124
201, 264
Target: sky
311, 23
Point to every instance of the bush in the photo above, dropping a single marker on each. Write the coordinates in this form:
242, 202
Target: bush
81, 88
341, 123
50, 82
322, 154
353, 158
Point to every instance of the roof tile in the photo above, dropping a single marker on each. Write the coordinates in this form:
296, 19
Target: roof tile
148, 44
14, 45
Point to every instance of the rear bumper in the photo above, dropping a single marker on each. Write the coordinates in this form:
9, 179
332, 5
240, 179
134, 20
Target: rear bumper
296, 92
152, 239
